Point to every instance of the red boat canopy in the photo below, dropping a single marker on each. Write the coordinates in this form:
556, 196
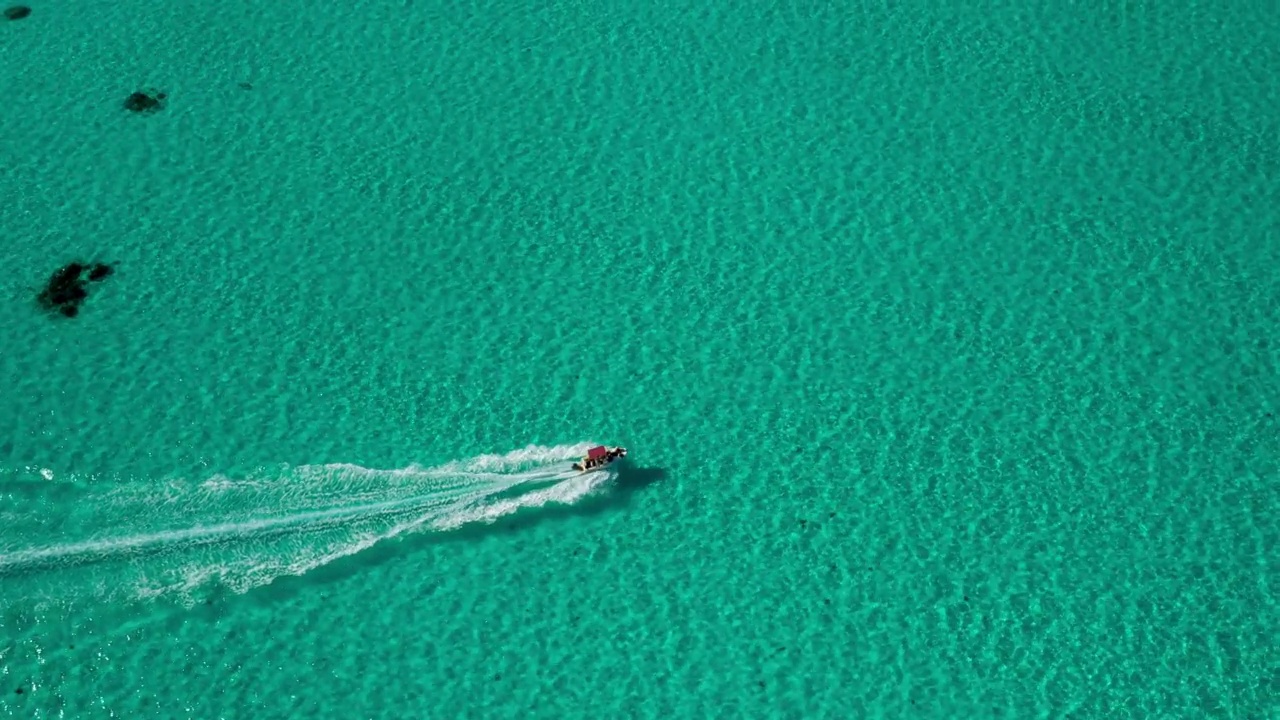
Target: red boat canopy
597, 452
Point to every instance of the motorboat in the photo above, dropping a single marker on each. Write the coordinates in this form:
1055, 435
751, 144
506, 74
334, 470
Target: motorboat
599, 457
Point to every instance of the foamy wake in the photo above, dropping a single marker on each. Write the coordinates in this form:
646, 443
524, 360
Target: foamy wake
179, 537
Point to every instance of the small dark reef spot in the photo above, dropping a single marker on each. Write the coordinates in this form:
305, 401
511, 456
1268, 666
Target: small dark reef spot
99, 271
65, 291
16, 12
144, 102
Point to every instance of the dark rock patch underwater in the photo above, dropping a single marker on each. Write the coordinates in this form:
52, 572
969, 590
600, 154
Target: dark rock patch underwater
141, 102
67, 289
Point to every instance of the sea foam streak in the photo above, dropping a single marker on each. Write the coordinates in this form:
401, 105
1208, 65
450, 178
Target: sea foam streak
173, 538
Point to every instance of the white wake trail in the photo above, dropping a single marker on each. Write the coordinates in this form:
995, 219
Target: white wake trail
178, 537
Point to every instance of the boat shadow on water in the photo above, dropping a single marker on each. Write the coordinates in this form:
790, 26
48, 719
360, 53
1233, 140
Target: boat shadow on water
614, 495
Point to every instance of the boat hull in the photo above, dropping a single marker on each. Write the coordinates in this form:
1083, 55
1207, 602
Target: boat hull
578, 466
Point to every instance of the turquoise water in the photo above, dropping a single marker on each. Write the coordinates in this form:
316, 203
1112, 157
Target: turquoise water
941, 336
